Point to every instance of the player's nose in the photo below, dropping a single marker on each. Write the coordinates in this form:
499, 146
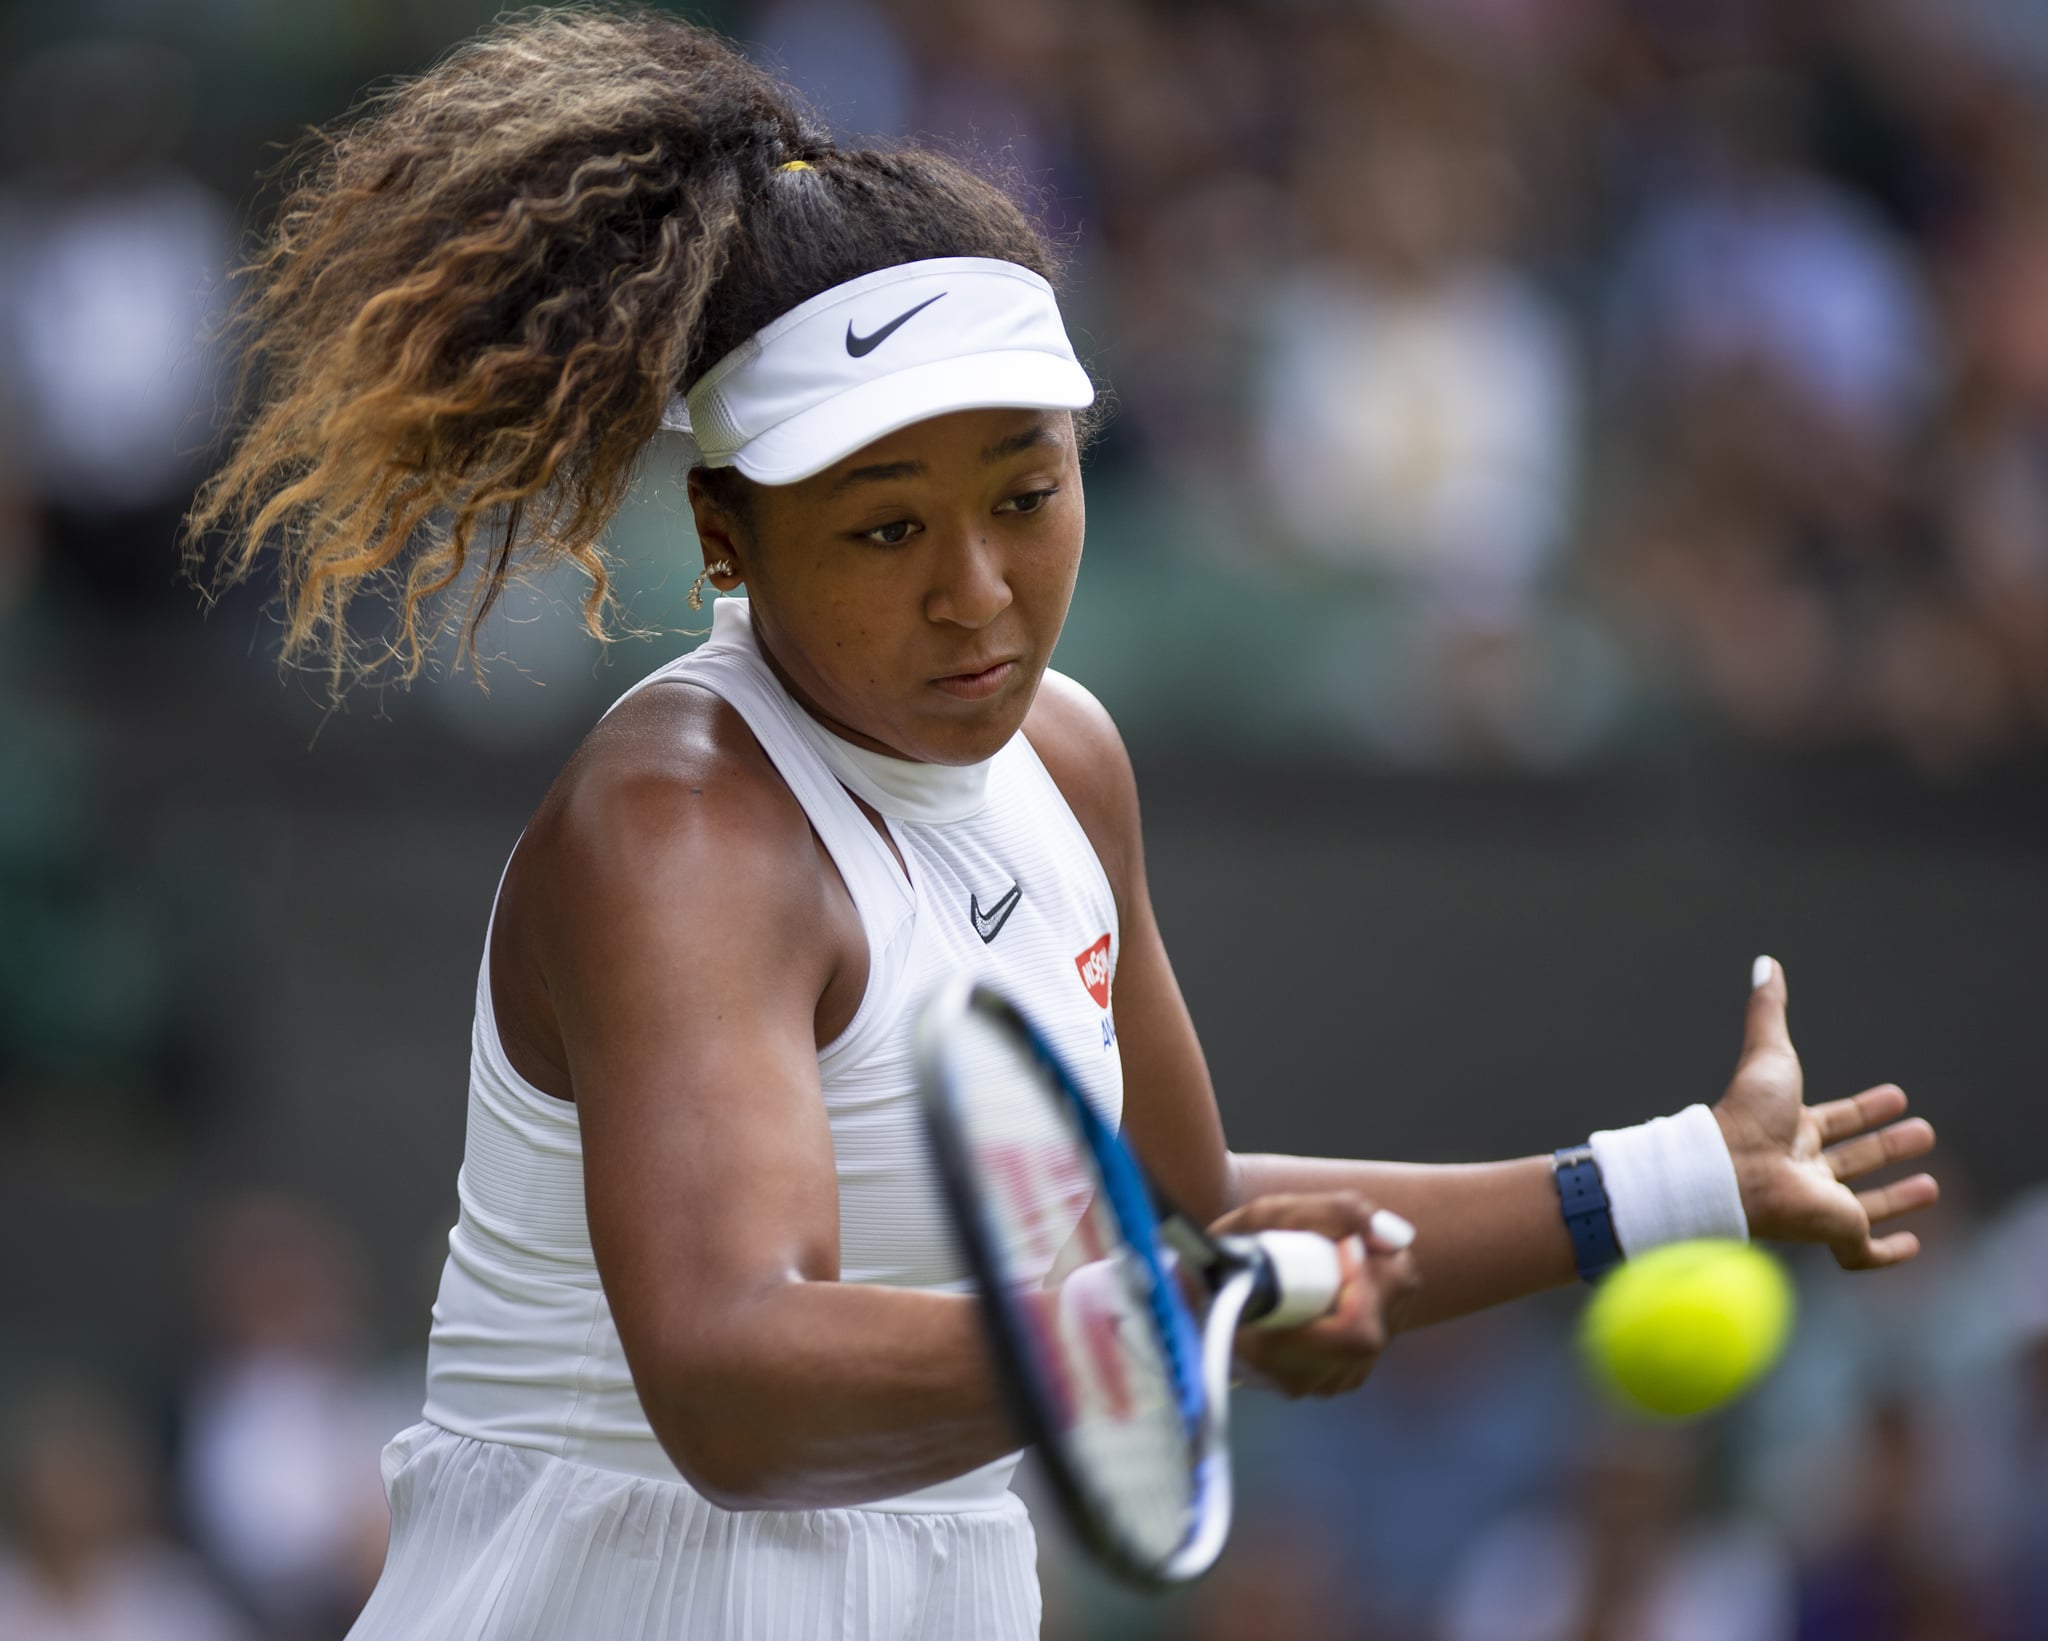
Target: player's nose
971, 584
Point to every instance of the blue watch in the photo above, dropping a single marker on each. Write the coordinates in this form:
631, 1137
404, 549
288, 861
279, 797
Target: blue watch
1582, 1196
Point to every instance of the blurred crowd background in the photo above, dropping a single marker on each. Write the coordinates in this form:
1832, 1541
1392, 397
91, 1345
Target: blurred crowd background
1577, 502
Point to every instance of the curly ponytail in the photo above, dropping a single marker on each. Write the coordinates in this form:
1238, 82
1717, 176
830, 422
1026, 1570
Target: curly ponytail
470, 312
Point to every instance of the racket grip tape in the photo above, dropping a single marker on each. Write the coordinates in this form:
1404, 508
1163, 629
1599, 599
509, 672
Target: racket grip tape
1298, 1278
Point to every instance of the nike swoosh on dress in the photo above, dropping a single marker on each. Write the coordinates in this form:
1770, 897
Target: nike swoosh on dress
990, 923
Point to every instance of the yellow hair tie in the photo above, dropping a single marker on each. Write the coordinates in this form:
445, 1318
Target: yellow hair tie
795, 165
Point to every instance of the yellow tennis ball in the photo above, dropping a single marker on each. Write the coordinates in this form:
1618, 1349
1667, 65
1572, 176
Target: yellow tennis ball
1680, 1330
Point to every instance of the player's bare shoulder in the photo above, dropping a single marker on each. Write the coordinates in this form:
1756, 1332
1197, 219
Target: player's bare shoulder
669, 815
1077, 741
671, 779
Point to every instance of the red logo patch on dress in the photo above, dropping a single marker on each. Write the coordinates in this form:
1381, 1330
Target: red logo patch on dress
1094, 967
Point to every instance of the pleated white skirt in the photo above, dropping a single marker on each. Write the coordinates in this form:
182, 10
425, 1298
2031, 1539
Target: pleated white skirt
491, 1542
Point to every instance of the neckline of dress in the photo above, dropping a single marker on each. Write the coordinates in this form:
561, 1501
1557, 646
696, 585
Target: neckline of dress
930, 794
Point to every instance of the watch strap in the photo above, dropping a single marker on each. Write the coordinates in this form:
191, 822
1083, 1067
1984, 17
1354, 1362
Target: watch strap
1582, 1196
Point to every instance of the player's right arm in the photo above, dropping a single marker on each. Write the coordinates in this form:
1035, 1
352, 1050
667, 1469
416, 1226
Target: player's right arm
683, 922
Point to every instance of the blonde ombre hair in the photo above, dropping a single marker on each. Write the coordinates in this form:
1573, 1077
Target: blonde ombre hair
462, 326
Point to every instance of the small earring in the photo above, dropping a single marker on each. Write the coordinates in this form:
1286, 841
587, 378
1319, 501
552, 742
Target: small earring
722, 567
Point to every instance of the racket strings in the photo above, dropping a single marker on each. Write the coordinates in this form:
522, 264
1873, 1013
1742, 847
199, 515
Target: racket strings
1096, 1314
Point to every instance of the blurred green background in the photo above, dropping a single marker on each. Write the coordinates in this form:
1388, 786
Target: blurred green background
1576, 516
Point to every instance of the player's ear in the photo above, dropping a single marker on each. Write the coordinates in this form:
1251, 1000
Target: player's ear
722, 531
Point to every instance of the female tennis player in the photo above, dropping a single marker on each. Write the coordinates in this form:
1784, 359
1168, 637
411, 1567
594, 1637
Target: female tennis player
702, 1364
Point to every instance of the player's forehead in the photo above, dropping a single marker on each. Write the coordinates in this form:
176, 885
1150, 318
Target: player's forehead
957, 445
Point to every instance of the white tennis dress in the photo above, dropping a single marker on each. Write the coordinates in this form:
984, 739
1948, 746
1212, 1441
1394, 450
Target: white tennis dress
533, 1501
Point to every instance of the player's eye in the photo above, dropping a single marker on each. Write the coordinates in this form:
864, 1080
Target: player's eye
893, 534
1032, 501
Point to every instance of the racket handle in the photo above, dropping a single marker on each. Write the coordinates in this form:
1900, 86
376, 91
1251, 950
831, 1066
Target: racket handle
1297, 1280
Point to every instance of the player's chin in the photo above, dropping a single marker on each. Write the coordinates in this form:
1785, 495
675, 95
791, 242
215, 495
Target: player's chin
957, 731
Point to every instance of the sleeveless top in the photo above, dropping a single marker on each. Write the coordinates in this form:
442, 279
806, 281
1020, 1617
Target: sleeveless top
1002, 883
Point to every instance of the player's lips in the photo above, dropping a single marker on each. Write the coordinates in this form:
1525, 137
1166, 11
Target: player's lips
978, 684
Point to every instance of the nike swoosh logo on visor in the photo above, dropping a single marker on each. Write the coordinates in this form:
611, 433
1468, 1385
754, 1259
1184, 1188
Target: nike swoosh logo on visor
990, 923
861, 346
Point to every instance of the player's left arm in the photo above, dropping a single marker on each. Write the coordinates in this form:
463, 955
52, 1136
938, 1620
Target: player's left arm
1170, 1111
1486, 1232
1169, 1107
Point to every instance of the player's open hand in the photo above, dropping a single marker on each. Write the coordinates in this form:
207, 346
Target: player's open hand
1797, 1164
1337, 1351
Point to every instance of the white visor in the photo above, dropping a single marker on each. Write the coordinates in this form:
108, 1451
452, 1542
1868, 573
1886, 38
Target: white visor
876, 354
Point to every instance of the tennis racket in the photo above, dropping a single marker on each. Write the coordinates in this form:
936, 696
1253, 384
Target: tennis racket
1091, 1281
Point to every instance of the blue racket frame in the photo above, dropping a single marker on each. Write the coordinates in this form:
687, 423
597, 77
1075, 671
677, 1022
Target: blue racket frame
1129, 1196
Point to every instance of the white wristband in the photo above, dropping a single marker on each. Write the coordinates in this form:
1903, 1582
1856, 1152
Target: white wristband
1669, 1180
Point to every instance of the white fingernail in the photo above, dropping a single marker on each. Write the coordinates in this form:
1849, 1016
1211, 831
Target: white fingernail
1390, 1228
1759, 972
1355, 1246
